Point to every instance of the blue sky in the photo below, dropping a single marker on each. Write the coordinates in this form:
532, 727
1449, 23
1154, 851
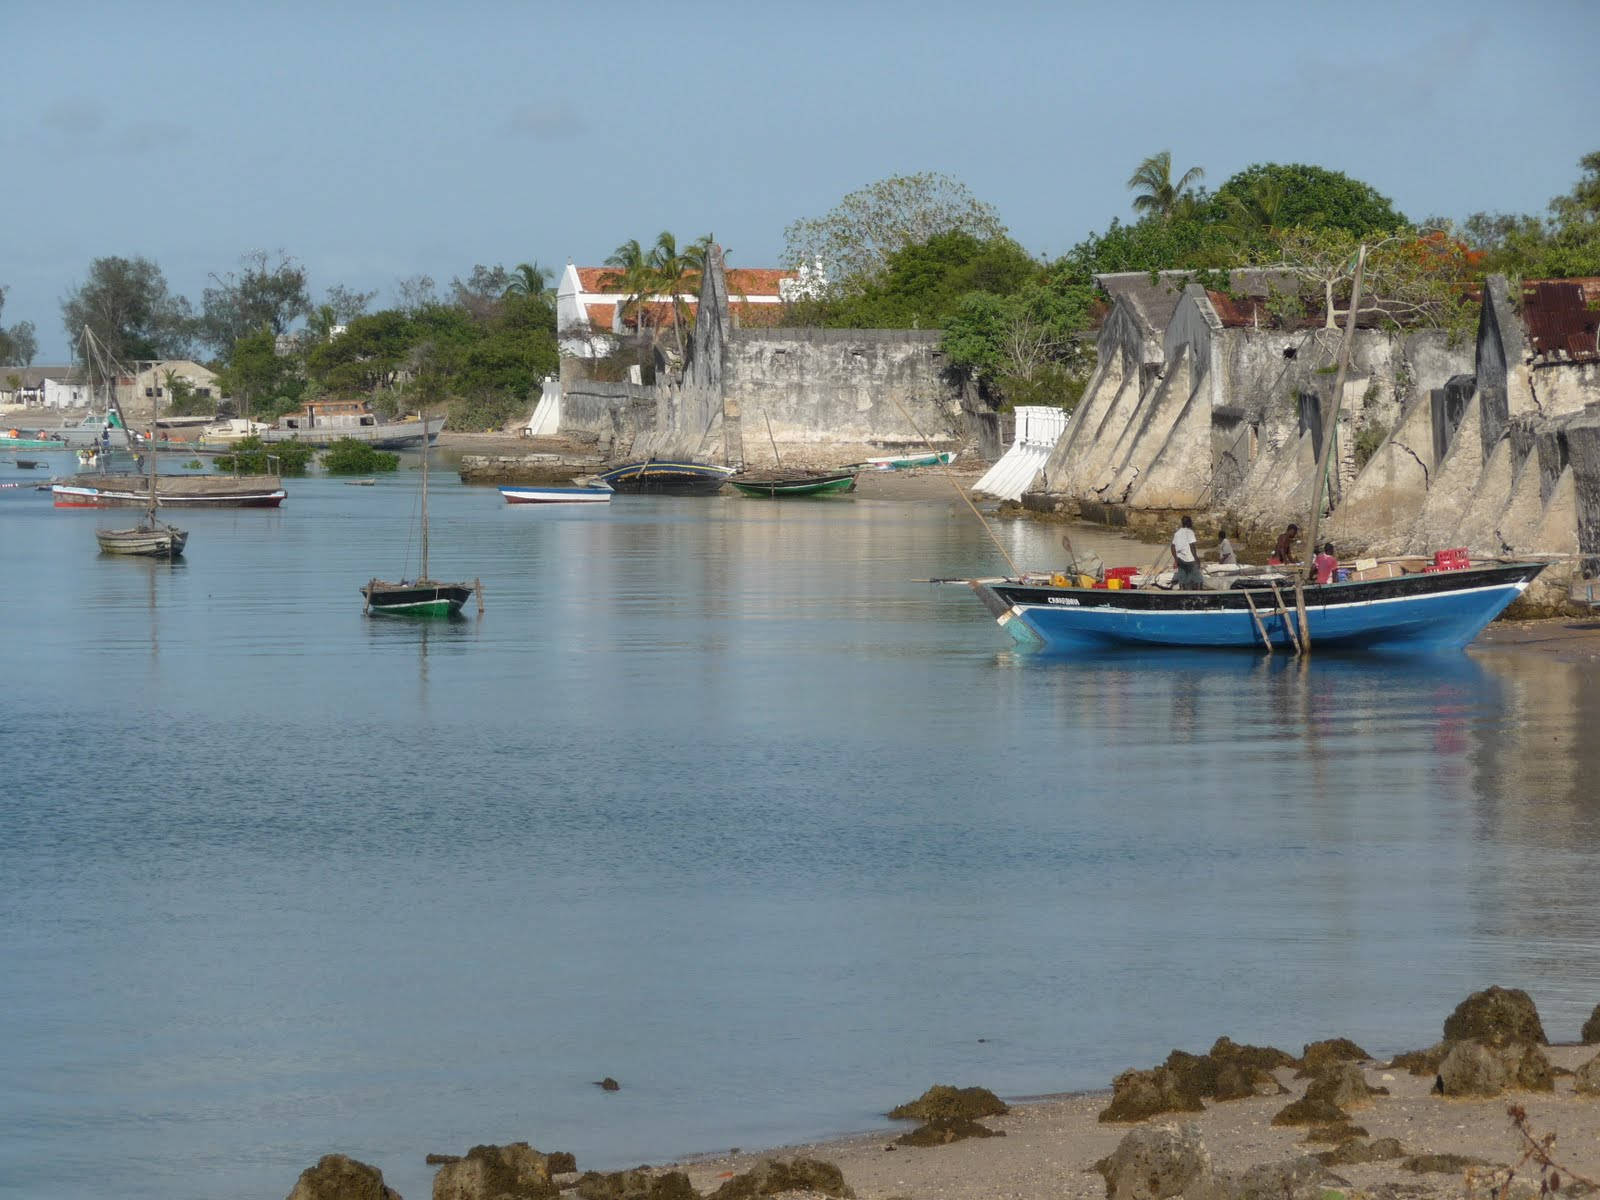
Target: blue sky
377, 141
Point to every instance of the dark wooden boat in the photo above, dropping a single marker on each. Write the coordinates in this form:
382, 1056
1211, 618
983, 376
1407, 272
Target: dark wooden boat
778, 484
420, 597
150, 538
662, 477
28, 464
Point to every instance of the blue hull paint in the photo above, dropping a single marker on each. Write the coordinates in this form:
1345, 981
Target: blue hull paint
1341, 617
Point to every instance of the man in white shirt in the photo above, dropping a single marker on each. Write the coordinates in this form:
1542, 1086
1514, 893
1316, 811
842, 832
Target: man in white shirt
1190, 576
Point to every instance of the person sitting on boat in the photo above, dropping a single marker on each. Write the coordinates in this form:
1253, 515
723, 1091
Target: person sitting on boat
1325, 564
1190, 576
1225, 552
1283, 550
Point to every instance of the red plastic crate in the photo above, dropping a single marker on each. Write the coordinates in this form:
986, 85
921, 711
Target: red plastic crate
1121, 572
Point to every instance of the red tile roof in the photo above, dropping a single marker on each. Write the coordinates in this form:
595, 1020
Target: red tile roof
601, 316
746, 281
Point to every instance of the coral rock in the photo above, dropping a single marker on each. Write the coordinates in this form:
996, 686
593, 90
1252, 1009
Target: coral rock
1137, 1095
515, 1172
1158, 1163
941, 1131
336, 1177
774, 1176
942, 1100
1496, 1016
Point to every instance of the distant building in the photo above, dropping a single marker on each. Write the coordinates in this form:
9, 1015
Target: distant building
150, 384
592, 312
28, 386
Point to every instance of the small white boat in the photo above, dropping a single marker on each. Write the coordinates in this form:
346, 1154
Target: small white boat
904, 462
556, 495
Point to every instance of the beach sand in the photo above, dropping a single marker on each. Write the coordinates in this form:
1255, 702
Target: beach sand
1051, 1144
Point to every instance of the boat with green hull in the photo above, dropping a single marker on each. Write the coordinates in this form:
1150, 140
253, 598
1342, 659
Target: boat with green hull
776, 485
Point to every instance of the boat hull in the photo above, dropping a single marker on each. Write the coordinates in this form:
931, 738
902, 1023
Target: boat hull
395, 436
777, 488
204, 492
420, 599
1424, 613
556, 495
666, 478
160, 541
904, 462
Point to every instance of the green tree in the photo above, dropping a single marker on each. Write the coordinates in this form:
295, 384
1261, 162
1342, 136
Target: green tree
922, 284
265, 383
1158, 194
528, 279
126, 303
261, 294
633, 274
1310, 197
18, 344
675, 273
252, 456
366, 357
182, 399
854, 240
1023, 348
346, 456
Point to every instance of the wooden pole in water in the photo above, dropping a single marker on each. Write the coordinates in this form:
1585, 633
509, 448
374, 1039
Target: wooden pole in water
776, 460
1330, 419
949, 476
1256, 617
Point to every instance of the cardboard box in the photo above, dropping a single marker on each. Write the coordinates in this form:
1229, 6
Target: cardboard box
1381, 571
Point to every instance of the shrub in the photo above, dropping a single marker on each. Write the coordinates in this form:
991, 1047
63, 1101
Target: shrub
350, 457
1367, 443
251, 456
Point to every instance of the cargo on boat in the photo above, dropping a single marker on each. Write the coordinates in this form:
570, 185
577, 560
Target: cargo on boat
172, 491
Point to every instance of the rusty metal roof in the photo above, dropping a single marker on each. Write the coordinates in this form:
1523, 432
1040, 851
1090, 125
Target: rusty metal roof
1562, 317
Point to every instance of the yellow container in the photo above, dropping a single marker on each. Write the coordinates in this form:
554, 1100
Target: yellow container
1059, 580
1113, 583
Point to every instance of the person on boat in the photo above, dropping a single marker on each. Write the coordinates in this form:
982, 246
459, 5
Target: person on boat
1185, 555
1283, 550
1325, 564
1225, 552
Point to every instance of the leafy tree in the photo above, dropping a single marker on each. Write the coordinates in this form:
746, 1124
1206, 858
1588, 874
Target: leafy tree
1409, 279
480, 293
1309, 196
1255, 216
260, 295
854, 240
182, 400
347, 456
1024, 347
125, 302
922, 284
18, 344
367, 356
1148, 245
346, 304
267, 384
1158, 194
416, 292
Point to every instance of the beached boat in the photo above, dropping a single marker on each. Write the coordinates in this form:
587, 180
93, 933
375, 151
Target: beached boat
150, 538
322, 422
665, 478
419, 597
556, 495
778, 484
180, 491
902, 462
15, 439
1425, 611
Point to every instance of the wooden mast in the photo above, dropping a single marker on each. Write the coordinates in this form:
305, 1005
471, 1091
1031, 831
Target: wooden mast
424, 493
1330, 420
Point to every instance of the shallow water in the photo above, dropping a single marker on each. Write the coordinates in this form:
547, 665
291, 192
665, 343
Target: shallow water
715, 800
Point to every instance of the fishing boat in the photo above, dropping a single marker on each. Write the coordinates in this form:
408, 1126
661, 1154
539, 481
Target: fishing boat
29, 464
665, 478
422, 596
173, 491
903, 462
44, 439
322, 422
556, 495
778, 484
150, 538
1424, 611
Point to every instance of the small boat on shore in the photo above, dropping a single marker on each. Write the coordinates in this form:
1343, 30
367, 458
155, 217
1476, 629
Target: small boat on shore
1425, 611
322, 422
665, 478
556, 495
903, 462
776, 485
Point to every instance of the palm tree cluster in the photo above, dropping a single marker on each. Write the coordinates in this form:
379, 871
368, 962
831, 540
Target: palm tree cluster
663, 270
1157, 193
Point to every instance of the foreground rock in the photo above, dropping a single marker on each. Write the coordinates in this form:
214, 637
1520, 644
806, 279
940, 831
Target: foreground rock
942, 1101
1325, 1053
1139, 1095
336, 1177
797, 1175
1164, 1162
1591, 1028
943, 1130
636, 1185
1477, 1069
1496, 1016
512, 1172
1339, 1087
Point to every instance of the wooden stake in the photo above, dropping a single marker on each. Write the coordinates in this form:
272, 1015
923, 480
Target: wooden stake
1330, 420
1283, 611
1305, 622
1256, 617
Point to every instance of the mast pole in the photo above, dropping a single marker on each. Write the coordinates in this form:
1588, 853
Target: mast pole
1330, 422
150, 507
424, 491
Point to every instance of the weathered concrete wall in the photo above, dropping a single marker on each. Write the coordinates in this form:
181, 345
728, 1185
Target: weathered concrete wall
838, 387
614, 414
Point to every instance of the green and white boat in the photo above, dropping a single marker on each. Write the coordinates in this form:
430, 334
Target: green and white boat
777, 484
903, 462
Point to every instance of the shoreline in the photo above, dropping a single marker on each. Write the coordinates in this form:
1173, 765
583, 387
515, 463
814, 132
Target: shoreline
1052, 1142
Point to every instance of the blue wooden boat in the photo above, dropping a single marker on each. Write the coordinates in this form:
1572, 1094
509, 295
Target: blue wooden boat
555, 495
663, 477
1426, 612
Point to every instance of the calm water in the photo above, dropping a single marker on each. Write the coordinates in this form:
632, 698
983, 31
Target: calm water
714, 800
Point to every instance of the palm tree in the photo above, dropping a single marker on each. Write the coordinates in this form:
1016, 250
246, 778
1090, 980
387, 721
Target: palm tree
679, 272
529, 279
1158, 194
633, 274
1257, 216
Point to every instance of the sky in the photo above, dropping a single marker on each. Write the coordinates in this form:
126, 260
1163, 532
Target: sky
374, 142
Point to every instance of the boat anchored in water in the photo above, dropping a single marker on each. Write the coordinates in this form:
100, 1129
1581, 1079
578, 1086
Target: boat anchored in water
422, 596
323, 422
150, 538
775, 485
556, 495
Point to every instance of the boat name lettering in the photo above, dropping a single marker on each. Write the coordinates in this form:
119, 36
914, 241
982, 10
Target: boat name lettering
1069, 600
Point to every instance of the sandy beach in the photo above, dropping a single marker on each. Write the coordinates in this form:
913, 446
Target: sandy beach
1052, 1143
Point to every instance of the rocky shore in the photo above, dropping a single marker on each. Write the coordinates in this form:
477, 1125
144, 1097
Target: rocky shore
1491, 1111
